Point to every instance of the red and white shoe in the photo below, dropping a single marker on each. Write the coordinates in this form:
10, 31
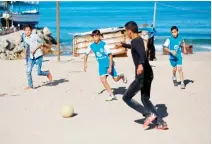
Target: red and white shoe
162, 126
149, 120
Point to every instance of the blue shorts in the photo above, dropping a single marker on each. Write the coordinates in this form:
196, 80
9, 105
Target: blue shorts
103, 71
176, 62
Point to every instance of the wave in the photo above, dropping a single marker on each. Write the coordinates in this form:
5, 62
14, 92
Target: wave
203, 47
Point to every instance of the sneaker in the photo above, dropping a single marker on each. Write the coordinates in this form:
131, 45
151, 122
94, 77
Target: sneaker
182, 86
28, 88
110, 98
175, 81
49, 76
162, 125
123, 78
149, 120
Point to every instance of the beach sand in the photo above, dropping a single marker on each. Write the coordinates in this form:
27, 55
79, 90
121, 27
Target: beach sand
33, 117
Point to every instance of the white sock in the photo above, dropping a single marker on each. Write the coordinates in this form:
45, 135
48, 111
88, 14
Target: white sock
174, 78
182, 82
112, 95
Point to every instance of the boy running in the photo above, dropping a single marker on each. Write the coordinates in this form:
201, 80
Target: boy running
173, 45
36, 56
143, 78
106, 64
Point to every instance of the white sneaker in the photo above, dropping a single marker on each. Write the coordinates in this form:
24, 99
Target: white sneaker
110, 98
183, 86
123, 77
175, 81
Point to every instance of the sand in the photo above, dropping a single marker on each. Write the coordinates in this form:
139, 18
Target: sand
33, 117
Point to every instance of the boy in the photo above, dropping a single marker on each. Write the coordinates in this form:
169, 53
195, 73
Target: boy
143, 77
173, 46
105, 60
36, 57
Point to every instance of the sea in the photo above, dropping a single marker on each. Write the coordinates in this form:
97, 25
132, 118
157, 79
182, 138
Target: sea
192, 18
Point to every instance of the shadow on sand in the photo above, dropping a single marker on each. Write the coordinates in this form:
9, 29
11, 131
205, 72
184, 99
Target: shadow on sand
186, 82
53, 83
116, 91
161, 108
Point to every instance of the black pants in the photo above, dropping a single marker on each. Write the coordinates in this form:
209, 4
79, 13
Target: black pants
141, 83
151, 49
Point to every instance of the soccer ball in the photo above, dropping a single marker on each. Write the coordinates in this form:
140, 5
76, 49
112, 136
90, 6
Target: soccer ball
67, 111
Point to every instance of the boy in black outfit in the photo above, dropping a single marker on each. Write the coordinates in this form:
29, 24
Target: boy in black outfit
143, 78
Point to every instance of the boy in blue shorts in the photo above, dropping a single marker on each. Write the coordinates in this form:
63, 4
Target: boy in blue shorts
174, 46
105, 61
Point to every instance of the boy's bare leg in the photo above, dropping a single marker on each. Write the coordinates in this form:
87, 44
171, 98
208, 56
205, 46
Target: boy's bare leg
107, 87
116, 79
181, 77
121, 76
174, 71
174, 76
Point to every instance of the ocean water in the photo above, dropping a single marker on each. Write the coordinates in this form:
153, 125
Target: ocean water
192, 18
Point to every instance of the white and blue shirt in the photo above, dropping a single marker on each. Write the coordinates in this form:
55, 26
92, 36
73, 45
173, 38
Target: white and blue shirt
174, 44
101, 52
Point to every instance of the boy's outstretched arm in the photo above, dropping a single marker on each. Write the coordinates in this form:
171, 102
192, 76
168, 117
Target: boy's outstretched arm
126, 45
123, 45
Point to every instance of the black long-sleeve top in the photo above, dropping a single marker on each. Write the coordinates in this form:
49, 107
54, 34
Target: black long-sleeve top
138, 53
